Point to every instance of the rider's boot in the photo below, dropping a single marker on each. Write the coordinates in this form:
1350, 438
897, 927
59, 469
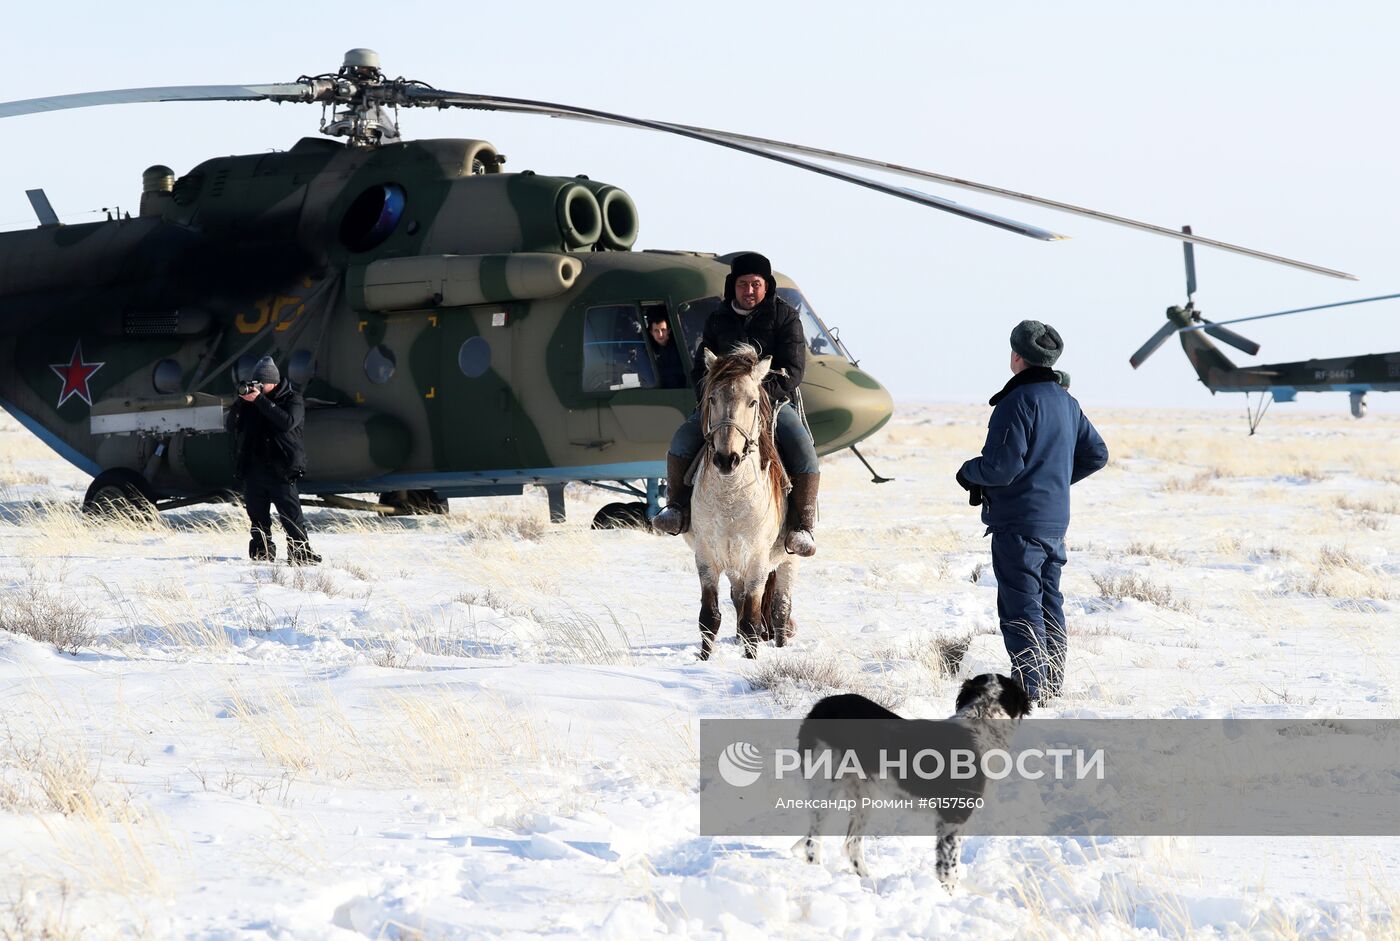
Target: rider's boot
675, 518
802, 514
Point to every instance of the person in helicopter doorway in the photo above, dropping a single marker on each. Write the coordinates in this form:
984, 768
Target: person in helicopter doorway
670, 372
265, 422
752, 312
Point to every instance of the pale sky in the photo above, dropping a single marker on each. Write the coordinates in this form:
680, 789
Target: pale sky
1267, 124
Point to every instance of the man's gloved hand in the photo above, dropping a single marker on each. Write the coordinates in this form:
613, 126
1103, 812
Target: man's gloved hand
974, 491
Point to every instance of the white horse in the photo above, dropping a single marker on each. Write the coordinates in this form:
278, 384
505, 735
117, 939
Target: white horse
737, 509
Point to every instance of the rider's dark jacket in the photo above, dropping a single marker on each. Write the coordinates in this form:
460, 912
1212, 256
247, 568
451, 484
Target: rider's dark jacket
774, 327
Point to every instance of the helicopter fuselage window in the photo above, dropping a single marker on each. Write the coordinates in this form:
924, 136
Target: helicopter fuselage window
474, 357
372, 217
380, 363
166, 375
243, 369
300, 367
615, 350
693, 315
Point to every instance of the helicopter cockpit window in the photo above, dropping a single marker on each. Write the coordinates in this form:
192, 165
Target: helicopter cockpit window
372, 217
819, 341
615, 350
692, 325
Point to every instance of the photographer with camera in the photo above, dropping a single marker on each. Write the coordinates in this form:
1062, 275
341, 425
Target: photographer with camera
265, 423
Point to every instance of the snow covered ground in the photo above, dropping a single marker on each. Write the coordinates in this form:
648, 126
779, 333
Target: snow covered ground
485, 725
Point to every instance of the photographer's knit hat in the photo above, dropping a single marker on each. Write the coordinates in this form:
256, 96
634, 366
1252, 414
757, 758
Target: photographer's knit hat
1039, 344
265, 370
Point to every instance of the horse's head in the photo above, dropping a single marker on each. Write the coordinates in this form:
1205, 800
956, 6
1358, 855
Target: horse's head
735, 410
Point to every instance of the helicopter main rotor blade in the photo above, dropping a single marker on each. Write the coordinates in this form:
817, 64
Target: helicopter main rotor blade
1297, 310
291, 91
1243, 344
399, 92
1190, 250
432, 97
1150, 347
1020, 197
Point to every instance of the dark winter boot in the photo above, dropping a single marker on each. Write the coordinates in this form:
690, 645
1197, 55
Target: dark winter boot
299, 553
675, 519
261, 548
802, 514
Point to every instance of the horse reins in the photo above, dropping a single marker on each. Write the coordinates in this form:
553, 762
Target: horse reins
750, 437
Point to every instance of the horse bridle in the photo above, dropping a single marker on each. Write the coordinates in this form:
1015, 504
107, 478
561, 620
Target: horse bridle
750, 437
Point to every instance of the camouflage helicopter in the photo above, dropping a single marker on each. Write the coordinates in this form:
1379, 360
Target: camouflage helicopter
458, 330
1273, 382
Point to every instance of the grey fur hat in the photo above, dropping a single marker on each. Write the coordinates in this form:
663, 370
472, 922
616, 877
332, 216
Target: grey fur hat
265, 370
1038, 343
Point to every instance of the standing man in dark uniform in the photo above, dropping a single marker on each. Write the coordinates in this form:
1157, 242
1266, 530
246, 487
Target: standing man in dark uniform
268, 457
1038, 444
752, 312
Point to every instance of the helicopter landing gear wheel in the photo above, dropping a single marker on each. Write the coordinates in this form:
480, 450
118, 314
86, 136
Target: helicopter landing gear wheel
622, 516
119, 493
415, 502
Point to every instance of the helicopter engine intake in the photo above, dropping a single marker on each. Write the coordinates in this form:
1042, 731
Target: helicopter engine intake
619, 216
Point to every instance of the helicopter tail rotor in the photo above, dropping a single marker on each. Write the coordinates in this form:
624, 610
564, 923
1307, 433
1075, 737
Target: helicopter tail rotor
1241, 343
1150, 347
1188, 318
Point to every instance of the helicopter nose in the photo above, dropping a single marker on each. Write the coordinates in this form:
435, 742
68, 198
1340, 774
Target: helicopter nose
844, 405
726, 461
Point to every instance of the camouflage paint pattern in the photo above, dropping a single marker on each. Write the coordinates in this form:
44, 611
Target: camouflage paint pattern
268, 254
1379, 372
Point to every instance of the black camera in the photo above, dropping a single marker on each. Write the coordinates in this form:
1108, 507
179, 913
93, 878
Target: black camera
249, 386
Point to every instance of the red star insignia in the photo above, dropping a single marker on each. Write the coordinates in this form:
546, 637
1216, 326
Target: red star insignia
75, 375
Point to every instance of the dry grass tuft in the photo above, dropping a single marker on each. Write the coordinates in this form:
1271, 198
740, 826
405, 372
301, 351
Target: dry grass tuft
1202, 483
42, 777
1340, 574
816, 673
1339, 557
48, 619
1131, 585
25, 916
355, 571
10, 477
797, 678
941, 655
572, 636
1155, 551
1371, 505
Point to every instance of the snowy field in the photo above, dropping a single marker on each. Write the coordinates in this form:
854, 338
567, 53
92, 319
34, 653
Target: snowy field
486, 726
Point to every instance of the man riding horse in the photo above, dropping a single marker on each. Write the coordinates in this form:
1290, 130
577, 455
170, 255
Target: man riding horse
753, 313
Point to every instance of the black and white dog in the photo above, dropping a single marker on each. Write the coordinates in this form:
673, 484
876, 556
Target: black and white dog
984, 705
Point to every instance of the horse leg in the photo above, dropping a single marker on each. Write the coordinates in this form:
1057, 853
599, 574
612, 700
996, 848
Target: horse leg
767, 633
750, 620
780, 604
710, 614
739, 596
